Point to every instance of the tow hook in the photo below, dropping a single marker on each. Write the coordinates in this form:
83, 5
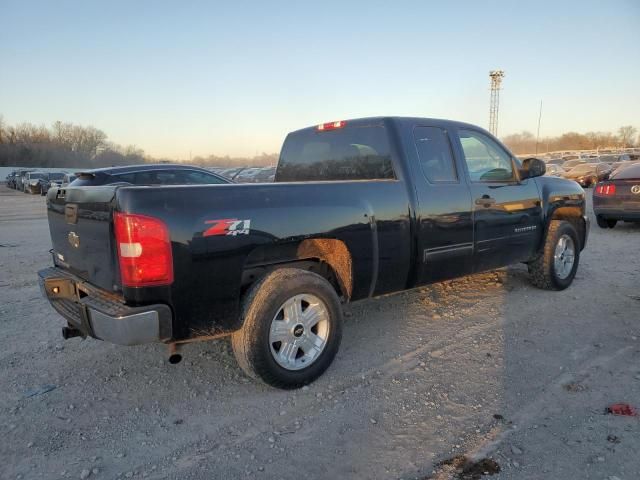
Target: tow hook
174, 355
69, 332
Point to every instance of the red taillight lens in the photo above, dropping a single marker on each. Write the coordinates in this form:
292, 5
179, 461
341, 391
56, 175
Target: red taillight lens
605, 189
144, 250
331, 125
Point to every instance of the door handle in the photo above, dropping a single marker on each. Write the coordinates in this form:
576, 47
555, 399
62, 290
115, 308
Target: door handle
485, 201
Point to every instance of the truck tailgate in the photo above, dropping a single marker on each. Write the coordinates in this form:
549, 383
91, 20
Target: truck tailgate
80, 223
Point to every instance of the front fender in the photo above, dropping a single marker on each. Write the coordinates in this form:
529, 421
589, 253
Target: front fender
563, 199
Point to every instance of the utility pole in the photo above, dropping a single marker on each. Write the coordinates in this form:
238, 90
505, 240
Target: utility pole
494, 102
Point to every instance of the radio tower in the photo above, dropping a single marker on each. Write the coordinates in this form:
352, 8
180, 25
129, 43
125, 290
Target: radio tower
496, 81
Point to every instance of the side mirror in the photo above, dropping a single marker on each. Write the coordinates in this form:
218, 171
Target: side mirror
532, 167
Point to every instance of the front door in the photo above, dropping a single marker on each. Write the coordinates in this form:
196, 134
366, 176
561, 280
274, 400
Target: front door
506, 210
445, 228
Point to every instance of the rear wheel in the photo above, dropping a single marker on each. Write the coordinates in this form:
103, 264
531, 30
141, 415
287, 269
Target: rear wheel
606, 222
554, 268
292, 328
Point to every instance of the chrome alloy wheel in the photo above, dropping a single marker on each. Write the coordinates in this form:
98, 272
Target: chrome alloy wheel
299, 332
564, 256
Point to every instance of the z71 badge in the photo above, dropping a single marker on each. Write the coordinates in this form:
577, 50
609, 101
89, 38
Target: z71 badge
227, 226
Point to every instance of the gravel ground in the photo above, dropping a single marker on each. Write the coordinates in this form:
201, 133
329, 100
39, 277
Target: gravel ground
483, 366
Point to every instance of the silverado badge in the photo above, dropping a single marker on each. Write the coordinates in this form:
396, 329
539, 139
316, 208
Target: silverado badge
74, 239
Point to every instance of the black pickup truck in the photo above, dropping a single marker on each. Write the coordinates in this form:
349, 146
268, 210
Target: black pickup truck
358, 208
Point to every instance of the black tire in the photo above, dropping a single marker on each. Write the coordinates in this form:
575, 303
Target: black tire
606, 223
261, 304
542, 268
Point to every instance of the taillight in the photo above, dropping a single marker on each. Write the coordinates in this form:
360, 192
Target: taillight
144, 250
331, 125
605, 189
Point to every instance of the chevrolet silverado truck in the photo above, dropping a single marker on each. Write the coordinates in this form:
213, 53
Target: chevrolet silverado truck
358, 208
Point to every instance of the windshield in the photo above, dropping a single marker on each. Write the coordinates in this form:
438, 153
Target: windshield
56, 176
34, 176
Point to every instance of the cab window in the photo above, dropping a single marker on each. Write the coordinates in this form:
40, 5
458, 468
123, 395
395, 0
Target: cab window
486, 160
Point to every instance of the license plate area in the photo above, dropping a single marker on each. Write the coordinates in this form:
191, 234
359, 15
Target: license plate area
61, 288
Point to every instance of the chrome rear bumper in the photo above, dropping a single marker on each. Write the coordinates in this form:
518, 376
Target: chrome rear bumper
102, 315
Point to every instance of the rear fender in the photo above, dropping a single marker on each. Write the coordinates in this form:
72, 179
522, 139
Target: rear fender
327, 257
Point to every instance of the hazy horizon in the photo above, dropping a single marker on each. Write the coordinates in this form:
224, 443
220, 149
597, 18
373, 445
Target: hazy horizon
232, 80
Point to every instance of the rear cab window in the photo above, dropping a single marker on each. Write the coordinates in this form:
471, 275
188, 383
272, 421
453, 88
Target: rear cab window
355, 151
434, 154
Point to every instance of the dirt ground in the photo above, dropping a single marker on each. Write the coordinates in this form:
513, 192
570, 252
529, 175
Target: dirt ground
484, 366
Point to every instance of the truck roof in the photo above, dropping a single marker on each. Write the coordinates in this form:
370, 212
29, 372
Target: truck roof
399, 119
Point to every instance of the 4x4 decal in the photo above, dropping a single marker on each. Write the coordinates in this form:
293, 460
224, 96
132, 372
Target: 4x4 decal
227, 226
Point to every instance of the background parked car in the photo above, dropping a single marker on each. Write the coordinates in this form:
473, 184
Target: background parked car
20, 178
229, 172
149, 174
556, 161
54, 180
67, 179
618, 198
255, 175
11, 179
555, 170
31, 182
569, 164
610, 159
588, 174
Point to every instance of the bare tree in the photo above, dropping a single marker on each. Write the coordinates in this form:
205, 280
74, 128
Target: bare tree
626, 134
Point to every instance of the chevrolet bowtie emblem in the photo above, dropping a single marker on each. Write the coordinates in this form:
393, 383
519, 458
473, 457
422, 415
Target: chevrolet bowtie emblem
74, 239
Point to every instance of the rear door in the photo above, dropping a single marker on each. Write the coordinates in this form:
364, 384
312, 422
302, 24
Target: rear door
445, 228
507, 211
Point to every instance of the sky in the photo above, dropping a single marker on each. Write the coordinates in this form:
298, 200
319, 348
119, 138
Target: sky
181, 79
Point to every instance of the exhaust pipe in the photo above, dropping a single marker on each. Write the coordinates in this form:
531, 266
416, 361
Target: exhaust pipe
174, 356
69, 332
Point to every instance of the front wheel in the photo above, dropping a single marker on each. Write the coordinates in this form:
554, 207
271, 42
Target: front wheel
292, 328
554, 268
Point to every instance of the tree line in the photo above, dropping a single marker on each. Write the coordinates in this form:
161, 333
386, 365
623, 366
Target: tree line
75, 146
62, 145
69, 145
525, 142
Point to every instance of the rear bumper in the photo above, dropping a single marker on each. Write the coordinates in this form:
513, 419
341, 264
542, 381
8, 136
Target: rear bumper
615, 212
102, 315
